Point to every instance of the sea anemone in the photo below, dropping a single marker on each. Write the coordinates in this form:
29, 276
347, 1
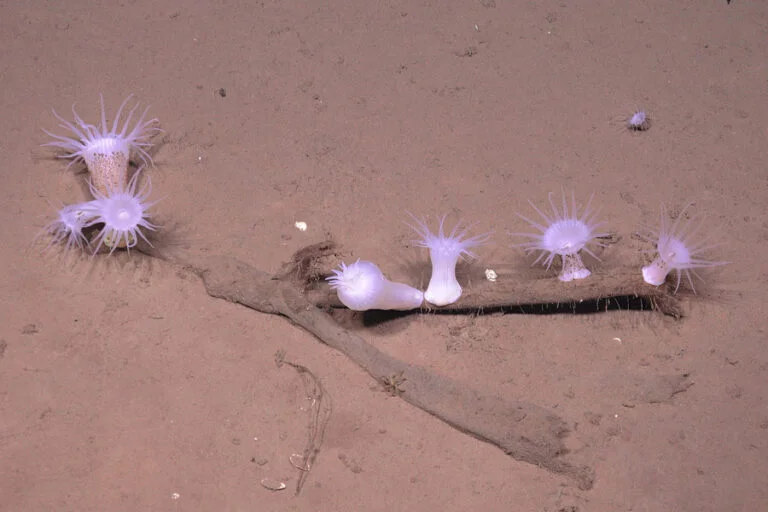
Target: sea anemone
106, 150
361, 286
444, 253
639, 121
68, 226
564, 234
679, 247
123, 212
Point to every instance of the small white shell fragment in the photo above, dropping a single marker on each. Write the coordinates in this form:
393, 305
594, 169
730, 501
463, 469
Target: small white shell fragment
491, 275
272, 484
297, 461
301, 226
175, 496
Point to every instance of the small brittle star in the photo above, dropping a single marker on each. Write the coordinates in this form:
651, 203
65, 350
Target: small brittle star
393, 382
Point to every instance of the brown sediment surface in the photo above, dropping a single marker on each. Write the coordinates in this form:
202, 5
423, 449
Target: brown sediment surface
125, 386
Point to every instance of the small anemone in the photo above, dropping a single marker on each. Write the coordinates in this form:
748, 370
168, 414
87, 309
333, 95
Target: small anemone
639, 121
68, 227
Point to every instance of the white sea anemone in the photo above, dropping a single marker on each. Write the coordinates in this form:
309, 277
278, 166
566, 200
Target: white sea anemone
639, 121
444, 253
106, 151
361, 286
679, 247
68, 226
124, 213
564, 233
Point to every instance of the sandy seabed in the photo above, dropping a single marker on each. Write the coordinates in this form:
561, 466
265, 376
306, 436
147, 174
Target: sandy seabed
124, 386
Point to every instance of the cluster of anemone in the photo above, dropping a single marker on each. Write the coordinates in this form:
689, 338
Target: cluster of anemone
117, 216
118, 213
560, 238
362, 286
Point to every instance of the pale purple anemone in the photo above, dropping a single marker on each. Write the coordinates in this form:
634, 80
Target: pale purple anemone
86, 142
564, 233
361, 286
444, 253
68, 227
680, 247
124, 213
